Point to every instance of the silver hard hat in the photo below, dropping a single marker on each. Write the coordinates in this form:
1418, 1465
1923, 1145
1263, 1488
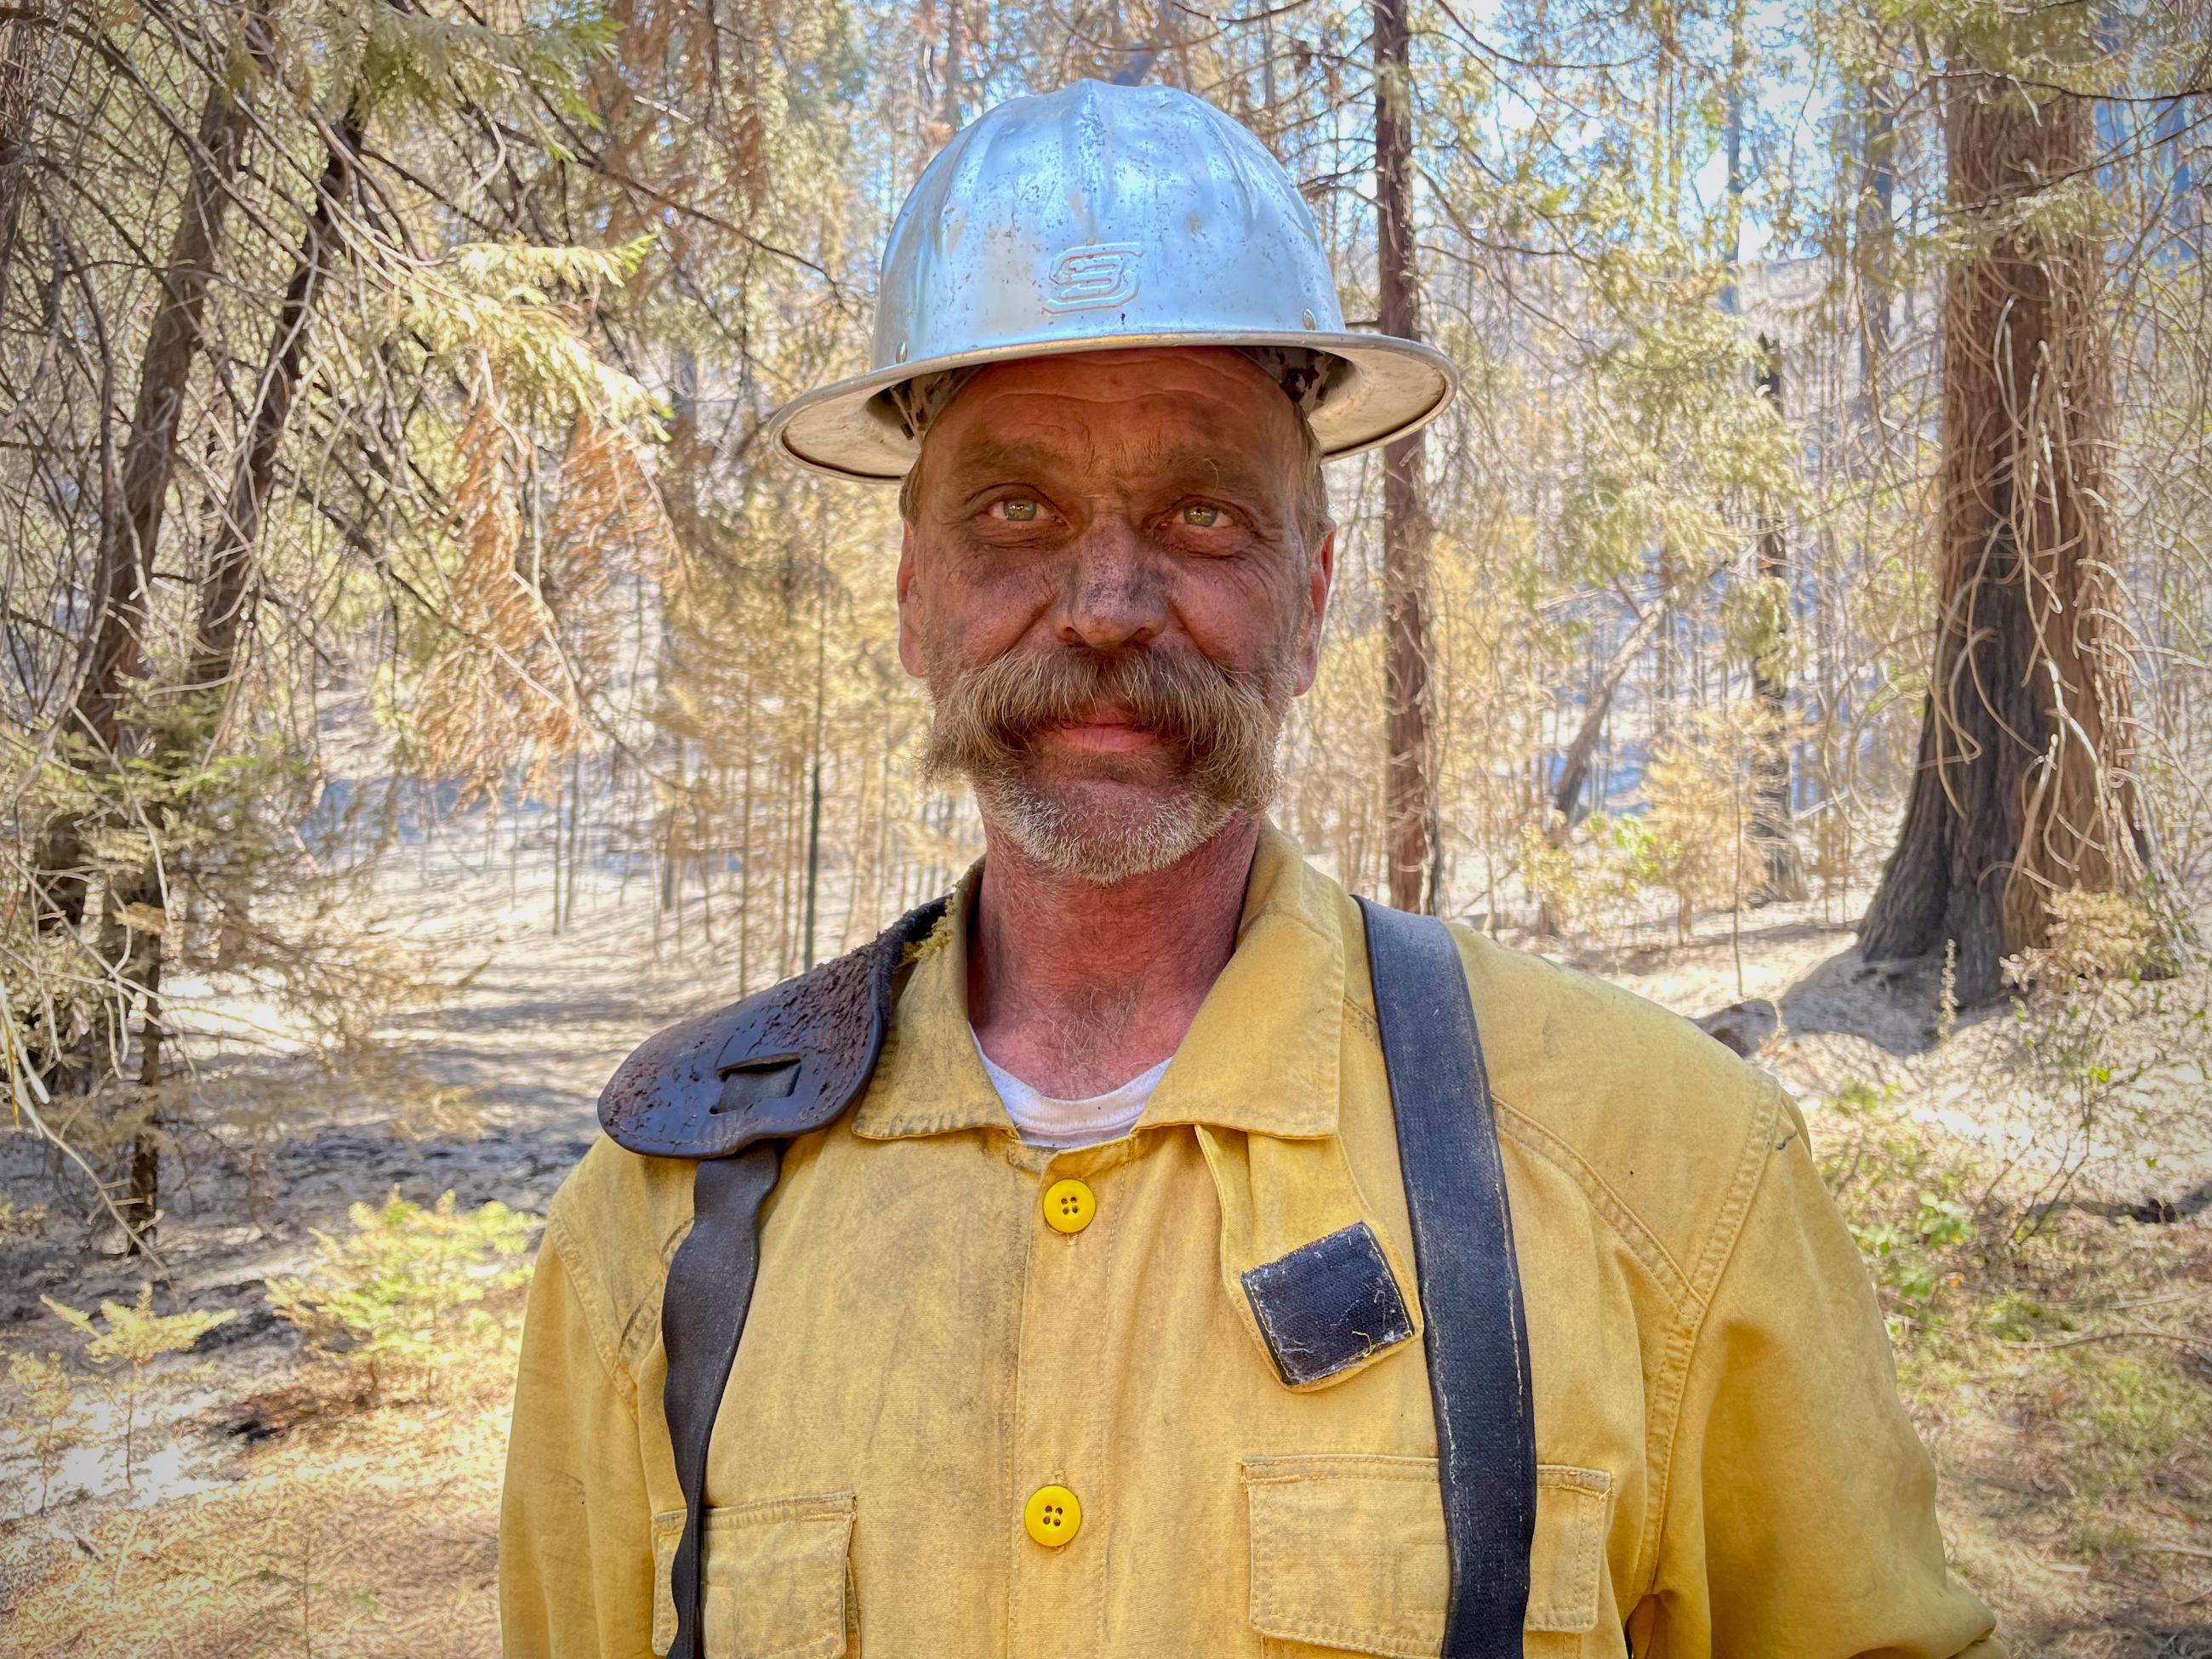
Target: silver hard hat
1096, 218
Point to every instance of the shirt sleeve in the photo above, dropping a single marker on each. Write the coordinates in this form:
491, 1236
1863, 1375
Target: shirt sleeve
576, 1575
1800, 1506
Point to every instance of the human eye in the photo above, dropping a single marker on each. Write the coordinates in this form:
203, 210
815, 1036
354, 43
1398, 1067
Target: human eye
1016, 509
1201, 515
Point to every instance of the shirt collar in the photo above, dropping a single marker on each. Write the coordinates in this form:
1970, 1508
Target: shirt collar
1262, 1055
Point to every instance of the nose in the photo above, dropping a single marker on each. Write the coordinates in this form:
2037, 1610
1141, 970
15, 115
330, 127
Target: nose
1114, 595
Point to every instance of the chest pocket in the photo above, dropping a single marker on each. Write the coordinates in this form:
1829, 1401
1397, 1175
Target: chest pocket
775, 1581
1348, 1555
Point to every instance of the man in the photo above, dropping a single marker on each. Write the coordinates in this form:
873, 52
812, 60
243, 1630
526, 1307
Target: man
1010, 1382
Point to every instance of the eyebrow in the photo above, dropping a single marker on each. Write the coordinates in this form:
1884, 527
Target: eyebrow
1185, 465
1190, 463
990, 456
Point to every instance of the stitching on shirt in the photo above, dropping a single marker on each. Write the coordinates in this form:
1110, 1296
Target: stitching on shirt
809, 1512
1286, 1468
667, 1528
1752, 1163
1525, 1128
1588, 1525
1296, 1623
591, 1300
1281, 908
1276, 1532
641, 1330
900, 1126
762, 1511
1627, 1225
1584, 1495
1353, 1640
1572, 1477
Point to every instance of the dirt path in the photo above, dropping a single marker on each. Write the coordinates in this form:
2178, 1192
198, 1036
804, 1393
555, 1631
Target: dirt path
539, 1020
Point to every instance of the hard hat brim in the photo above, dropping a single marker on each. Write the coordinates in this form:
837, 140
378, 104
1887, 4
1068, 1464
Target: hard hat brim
847, 430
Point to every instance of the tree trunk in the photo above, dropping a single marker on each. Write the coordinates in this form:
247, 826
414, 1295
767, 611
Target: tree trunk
2025, 785
224, 593
226, 590
141, 1207
814, 768
1409, 790
129, 537
1574, 770
564, 907
956, 49
24, 41
1877, 243
1773, 833
132, 519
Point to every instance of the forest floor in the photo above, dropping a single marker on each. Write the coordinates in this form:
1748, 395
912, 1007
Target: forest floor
2033, 1190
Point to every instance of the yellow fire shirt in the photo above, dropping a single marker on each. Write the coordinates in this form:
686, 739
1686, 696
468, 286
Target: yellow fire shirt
1002, 1400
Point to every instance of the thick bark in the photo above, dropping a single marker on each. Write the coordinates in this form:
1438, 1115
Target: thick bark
1410, 812
2024, 786
1772, 832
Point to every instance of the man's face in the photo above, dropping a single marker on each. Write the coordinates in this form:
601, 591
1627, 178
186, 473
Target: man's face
1106, 585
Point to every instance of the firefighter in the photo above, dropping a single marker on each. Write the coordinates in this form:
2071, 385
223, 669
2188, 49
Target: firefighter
1148, 1249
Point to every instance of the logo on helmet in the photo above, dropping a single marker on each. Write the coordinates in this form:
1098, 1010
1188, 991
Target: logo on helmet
1087, 278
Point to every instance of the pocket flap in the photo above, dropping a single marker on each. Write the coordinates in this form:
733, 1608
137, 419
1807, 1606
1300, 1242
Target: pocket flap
773, 1578
1348, 1550
1566, 1556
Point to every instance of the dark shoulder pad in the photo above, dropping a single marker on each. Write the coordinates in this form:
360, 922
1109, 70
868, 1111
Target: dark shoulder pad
782, 1062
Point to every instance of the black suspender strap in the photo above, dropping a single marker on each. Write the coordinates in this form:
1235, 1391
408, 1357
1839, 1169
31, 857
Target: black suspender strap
710, 1289
1476, 1335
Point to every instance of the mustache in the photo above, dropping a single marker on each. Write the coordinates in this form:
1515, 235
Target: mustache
1223, 723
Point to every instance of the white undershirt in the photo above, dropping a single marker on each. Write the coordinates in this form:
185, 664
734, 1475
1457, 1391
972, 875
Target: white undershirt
1060, 1124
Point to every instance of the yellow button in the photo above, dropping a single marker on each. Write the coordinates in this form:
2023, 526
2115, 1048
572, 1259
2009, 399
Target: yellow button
1052, 1516
1069, 1206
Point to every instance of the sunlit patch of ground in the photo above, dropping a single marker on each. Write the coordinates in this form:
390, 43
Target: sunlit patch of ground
2066, 1390
349, 1530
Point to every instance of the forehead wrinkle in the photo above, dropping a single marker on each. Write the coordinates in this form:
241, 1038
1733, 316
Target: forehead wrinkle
1104, 379
984, 456
1112, 376
1206, 464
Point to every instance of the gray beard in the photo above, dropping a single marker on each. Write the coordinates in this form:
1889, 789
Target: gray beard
1097, 846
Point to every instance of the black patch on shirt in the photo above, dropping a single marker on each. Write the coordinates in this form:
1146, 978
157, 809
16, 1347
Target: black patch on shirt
1326, 1305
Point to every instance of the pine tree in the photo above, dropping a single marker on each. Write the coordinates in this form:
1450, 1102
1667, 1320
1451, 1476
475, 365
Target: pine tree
2026, 782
